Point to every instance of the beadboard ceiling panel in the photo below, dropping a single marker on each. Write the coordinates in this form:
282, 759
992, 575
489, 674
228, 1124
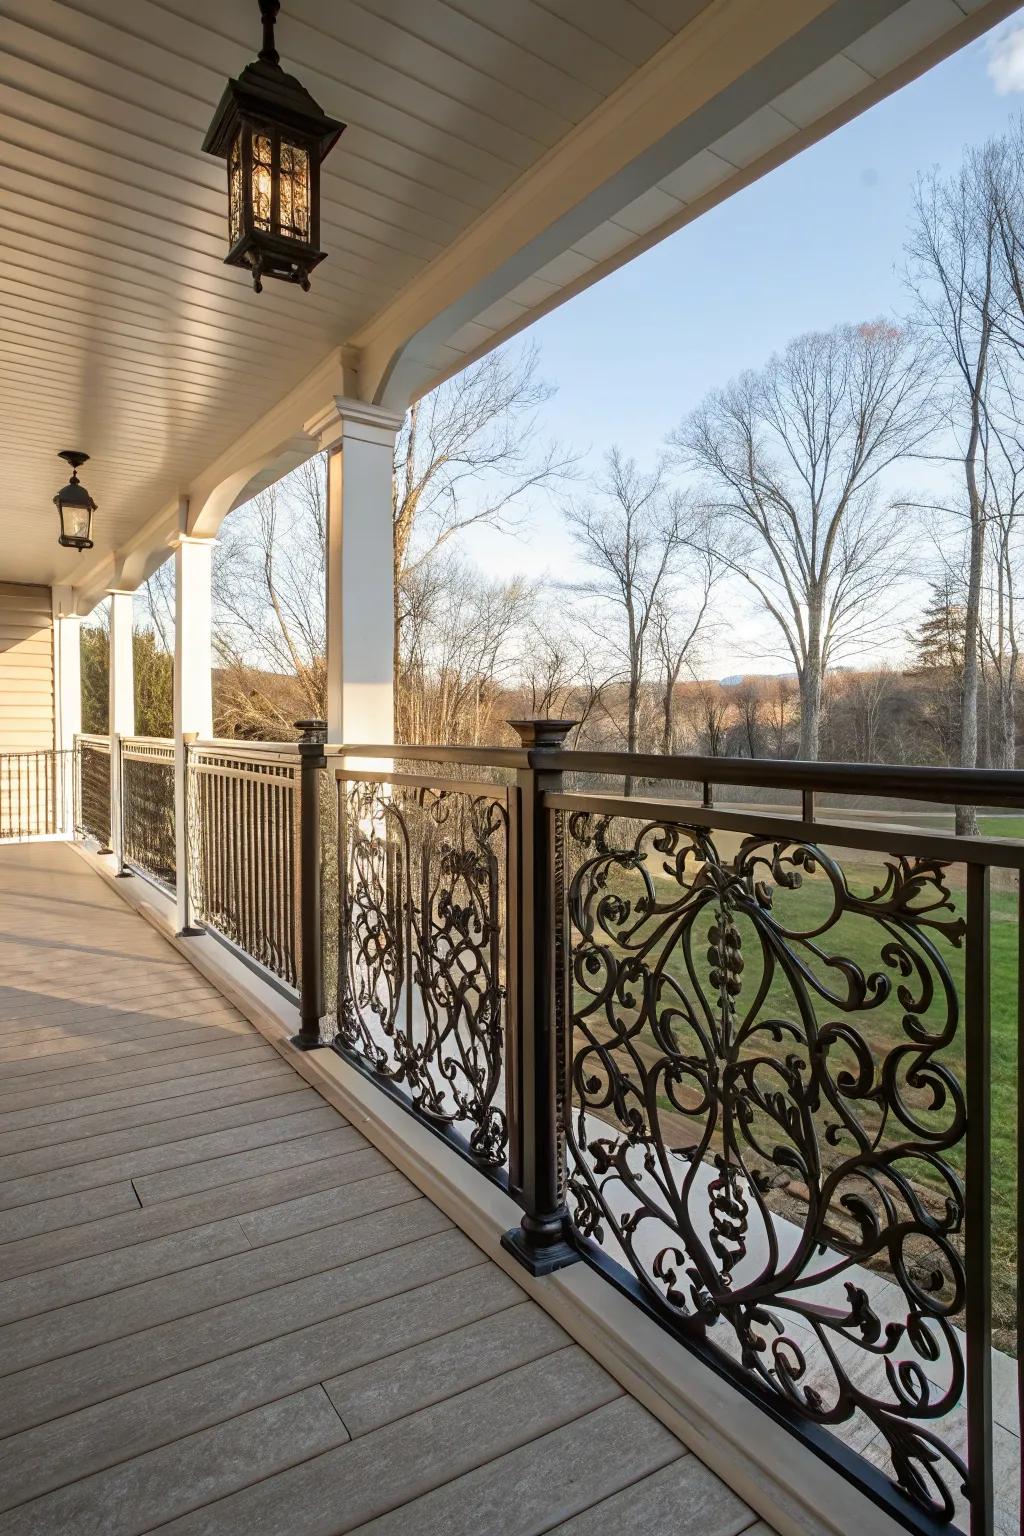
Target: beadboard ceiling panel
121, 331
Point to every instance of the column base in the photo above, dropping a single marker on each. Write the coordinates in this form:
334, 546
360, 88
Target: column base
539, 1260
307, 1043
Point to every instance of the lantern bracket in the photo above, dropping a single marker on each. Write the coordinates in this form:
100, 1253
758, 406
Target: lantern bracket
75, 459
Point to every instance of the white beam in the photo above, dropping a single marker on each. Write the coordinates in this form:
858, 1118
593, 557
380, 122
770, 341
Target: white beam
121, 705
360, 569
193, 687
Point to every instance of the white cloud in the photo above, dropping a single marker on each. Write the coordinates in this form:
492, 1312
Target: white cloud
1006, 61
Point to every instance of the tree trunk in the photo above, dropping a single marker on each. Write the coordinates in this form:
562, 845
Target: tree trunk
810, 688
632, 710
966, 815
668, 729
1007, 744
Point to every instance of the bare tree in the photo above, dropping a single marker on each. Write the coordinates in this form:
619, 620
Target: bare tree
998, 633
780, 708
954, 272
560, 672
678, 630
790, 458
632, 534
748, 698
707, 706
469, 454
462, 645
269, 602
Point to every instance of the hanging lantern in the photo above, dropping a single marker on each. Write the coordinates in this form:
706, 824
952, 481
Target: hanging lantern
273, 136
75, 506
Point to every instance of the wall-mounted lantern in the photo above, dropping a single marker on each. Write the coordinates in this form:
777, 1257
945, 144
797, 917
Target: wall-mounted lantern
75, 506
273, 136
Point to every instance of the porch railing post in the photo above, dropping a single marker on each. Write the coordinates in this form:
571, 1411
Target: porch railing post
117, 803
310, 914
540, 1242
186, 923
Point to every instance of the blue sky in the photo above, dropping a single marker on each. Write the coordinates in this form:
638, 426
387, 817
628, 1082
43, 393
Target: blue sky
817, 242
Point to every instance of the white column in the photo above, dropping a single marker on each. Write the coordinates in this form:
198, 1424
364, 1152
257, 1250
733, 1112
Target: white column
360, 570
193, 686
121, 704
67, 697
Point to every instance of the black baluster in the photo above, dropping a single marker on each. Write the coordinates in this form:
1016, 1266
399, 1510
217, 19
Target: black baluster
541, 1241
311, 974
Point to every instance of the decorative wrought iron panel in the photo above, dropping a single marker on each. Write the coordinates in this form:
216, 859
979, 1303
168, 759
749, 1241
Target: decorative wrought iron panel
94, 790
766, 1121
147, 807
242, 832
31, 792
422, 970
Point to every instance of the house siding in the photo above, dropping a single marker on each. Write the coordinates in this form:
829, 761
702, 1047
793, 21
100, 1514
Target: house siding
26, 668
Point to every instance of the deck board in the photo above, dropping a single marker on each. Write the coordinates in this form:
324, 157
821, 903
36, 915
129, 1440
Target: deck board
222, 1310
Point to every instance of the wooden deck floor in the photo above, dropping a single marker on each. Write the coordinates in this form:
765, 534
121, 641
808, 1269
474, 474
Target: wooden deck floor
222, 1310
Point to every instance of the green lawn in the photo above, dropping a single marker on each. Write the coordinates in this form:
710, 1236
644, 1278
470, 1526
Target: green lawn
1001, 826
861, 939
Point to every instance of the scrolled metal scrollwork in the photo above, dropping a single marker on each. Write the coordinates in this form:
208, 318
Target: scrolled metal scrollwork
421, 992
765, 1129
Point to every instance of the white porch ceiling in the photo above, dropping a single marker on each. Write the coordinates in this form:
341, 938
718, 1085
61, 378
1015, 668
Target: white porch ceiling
498, 156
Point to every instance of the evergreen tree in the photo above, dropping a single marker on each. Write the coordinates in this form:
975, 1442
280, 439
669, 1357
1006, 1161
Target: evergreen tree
154, 682
939, 639
939, 657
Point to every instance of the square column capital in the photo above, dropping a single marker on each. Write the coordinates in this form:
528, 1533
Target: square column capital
64, 604
344, 418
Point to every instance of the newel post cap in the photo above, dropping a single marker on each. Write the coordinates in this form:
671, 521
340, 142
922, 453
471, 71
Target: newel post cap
543, 735
314, 732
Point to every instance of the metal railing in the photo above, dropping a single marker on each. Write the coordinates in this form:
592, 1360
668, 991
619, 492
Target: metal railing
93, 787
423, 973
738, 1061
33, 793
243, 829
758, 1067
147, 807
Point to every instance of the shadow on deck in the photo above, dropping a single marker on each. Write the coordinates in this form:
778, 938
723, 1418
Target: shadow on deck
222, 1310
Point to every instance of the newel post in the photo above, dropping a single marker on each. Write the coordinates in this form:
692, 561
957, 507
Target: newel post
311, 959
540, 1242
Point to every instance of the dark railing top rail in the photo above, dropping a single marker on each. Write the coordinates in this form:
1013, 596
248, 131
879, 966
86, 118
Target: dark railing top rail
941, 786
247, 751
890, 838
949, 786
485, 757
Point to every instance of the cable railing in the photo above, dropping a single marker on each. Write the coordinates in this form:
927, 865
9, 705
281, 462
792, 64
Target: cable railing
147, 807
93, 787
33, 793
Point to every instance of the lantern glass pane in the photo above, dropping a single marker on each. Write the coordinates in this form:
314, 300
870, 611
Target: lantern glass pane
235, 188
262, 179
294, 191
74, 522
